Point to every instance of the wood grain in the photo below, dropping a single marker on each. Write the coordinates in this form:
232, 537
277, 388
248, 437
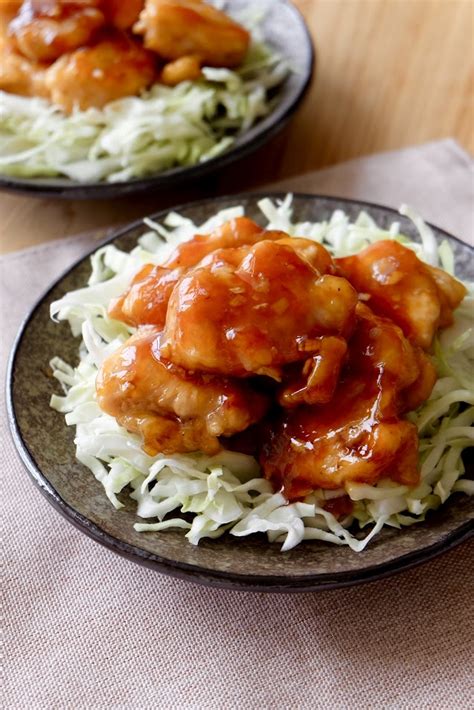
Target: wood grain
390, 73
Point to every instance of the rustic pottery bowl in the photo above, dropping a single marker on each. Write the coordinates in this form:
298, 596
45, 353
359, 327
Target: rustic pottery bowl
284, 29
46, 447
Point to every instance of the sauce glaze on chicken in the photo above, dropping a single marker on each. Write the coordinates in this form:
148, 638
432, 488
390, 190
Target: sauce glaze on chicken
171, 408
247, 334
86, 53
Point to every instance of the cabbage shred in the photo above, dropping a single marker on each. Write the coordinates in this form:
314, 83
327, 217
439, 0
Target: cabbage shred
226, 492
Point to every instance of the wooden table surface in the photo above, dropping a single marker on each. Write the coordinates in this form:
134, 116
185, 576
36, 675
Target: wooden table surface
390, 73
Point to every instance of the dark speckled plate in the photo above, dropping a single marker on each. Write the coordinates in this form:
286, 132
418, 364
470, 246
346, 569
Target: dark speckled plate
284, 29
46, 447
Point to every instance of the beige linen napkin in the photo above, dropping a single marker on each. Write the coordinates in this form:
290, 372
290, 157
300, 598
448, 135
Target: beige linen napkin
87, 629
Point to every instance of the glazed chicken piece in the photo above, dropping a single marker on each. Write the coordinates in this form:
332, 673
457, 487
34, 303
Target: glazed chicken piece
43, 30
252, 310
306, 449
405, 373
182, 69
145, 302
121, 13
19, 75
315, 381
92, 65
234, 233
313, 252
8, 10
242, 231
179, 28
362, 438
114, 67
173, 410
146, 299
418, 297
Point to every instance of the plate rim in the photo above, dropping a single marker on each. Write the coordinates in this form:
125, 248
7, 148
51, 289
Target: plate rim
195, 573
177, 175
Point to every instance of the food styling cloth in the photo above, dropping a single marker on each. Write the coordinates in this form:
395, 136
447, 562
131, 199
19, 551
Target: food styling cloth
85, 628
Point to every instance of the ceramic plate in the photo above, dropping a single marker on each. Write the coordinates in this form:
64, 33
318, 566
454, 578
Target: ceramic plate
47, 449
284, 29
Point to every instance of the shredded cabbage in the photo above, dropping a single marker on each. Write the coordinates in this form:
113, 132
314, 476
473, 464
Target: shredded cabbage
226, 492
137, 136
